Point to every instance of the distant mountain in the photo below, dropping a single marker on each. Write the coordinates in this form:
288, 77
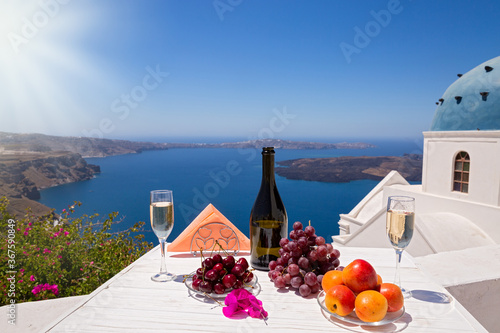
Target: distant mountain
94, 147
87, 147
348, 168
287, 144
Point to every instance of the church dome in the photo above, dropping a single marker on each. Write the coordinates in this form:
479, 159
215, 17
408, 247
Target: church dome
472, 102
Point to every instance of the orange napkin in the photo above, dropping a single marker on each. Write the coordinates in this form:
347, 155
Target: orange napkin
209, 215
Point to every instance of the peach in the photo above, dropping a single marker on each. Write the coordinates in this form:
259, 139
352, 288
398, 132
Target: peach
359, 276
371, 306
340, 300
394, 296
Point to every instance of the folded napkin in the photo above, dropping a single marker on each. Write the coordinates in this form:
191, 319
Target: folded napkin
207, 227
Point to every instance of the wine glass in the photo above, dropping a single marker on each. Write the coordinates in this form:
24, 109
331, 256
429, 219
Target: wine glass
162, 221
399, 227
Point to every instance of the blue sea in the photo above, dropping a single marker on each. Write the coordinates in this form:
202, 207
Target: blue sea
227, 178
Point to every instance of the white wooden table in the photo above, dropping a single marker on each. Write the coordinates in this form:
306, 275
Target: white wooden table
131, 302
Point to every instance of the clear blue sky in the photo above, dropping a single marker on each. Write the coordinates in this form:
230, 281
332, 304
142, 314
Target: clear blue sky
322, 70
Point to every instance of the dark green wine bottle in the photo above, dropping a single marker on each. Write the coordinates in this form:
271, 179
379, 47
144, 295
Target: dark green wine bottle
268, 219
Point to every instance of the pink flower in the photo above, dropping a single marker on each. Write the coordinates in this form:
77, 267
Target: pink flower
20, 281
64, 210
30, 224
21, 270
46, 251
26, 233
66, 233
41, 287
91, 262
59, 256
32, 278
37, 289
240, 301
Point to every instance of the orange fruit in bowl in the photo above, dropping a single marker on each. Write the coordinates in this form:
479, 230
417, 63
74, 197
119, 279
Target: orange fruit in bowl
331, 279
340, 300
394, 296
371, 306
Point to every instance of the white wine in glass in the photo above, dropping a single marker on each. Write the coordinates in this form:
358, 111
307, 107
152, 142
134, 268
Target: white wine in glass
161, 211
399, 227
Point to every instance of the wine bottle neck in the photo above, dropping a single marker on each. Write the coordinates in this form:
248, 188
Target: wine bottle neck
268, 168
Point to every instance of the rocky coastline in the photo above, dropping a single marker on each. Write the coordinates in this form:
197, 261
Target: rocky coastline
23, 175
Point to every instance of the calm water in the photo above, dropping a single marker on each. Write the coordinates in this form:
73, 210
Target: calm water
227, 178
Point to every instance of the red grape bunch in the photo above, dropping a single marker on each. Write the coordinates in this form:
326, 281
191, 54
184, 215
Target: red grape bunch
218, 274
304, 258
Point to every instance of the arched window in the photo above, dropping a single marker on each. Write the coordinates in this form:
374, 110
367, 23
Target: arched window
461, 172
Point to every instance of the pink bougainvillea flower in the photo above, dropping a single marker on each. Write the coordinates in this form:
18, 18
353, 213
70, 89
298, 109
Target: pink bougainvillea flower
37, 289
41, 287
46, 251
241, 300
66, 233
32, 278
21, 270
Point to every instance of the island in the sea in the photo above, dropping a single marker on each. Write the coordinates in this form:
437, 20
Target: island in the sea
30, 162
349, 168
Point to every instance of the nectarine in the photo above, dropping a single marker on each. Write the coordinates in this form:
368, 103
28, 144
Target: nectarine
359, 276
394, 296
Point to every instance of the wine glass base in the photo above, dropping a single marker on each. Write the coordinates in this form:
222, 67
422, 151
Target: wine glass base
163, 277
406, 293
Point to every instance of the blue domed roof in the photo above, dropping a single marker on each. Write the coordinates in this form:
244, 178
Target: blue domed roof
472, 102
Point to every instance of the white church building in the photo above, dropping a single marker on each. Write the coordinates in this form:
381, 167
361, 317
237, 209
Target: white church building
457, 220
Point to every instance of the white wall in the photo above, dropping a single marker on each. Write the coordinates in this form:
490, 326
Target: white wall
440, 149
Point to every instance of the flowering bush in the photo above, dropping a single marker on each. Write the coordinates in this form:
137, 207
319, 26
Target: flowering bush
58, 256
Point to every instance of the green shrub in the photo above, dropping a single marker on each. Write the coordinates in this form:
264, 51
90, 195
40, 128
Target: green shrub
64, 257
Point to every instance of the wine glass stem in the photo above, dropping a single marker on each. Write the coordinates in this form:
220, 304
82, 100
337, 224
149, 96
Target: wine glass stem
163, 266
397, 278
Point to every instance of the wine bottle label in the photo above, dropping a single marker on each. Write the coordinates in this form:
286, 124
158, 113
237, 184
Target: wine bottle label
269, 224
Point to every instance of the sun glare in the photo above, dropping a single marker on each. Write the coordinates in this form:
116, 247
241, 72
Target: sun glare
38, 65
